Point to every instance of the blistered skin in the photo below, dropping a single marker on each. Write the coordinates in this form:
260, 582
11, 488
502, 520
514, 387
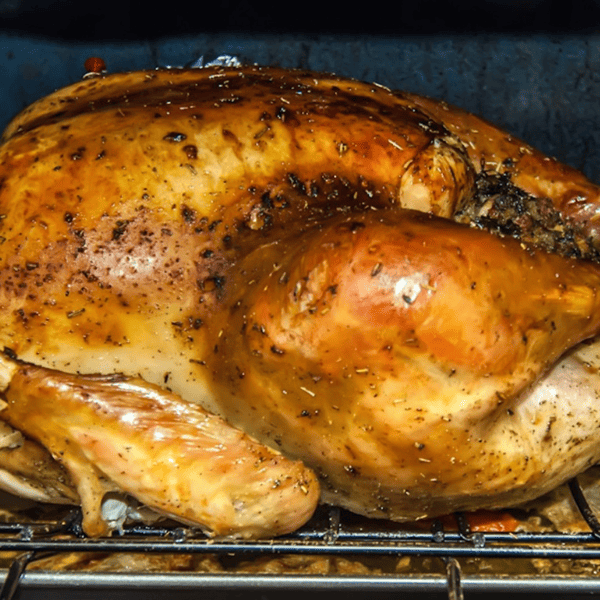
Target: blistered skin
250, 240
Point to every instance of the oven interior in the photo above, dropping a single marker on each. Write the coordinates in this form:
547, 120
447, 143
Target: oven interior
437, 559
542, 88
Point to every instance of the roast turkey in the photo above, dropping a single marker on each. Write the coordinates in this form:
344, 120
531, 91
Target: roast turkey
234, 292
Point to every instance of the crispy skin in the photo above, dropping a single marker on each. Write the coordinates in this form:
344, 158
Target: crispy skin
391, 352
256, 241
127, 200
115, 432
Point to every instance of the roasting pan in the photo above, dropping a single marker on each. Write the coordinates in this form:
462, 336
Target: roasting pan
542, 88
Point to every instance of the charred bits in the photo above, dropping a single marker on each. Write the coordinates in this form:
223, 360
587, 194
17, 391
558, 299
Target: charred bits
188, 214
295, 182
78, 154
119, 230
191, 323
285, 115
191, 151
212, 284
227, 242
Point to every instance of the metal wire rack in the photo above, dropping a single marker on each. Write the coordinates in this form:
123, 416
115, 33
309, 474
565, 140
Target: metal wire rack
330, 534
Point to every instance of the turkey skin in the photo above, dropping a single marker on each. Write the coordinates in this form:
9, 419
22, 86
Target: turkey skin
296, 256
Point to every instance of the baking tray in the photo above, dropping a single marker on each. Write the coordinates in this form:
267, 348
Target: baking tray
542, 88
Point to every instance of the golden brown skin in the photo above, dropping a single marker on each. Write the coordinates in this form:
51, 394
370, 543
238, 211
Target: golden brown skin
114, 432
150, 186
244, 237
385, 341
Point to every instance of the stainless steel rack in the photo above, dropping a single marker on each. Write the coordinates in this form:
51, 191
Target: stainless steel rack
330, 533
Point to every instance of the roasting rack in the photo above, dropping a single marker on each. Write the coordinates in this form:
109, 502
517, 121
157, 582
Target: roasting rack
330, 533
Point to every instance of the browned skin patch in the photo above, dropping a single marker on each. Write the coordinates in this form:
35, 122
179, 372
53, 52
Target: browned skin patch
239, 236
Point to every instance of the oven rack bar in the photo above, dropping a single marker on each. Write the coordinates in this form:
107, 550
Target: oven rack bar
567, 549
422, 584
327, 534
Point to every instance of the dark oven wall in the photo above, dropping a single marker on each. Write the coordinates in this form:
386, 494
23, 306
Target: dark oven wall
134, 19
